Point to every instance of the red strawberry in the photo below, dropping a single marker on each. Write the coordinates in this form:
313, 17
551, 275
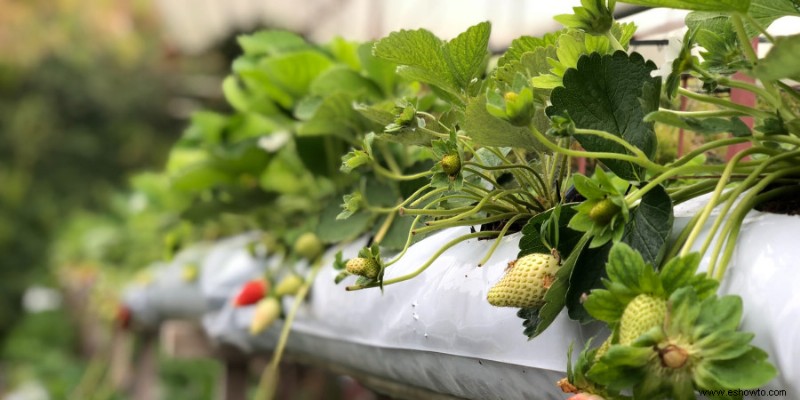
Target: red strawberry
251, 293
123, 318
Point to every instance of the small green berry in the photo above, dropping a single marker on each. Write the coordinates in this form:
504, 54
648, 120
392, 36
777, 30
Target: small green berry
451, 164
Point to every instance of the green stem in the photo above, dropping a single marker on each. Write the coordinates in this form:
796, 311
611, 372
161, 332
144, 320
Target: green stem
683, 170
730, 245
704, 114
735, 219
759, 27
729, 168
744, 185
724, 103
614, 138
434, 119
684, 235
428, 195
706, 147
733, 83
744, 40
468, 222
494, 195
430, 261
409, 239
389, 157
692, 191
269, 378
533, 172
434, 213
500, 237
646, 163
398, 177
484, 176
385, 227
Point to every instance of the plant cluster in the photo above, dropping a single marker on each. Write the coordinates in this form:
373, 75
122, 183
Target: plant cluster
410, 135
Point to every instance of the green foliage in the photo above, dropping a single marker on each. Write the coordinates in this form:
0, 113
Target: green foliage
595, 98
698, 5
66, 145
780, 61
451, 66
650, 225
594, 17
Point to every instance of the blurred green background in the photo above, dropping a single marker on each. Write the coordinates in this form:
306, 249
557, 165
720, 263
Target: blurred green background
89, 93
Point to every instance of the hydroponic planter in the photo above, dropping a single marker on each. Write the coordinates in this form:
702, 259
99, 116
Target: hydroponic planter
168, 294
230, 263
765, 272
435, 331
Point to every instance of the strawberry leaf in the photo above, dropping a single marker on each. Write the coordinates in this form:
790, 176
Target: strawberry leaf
595, 97
781, 61
650, 226
487, 130
531, 241
588, 275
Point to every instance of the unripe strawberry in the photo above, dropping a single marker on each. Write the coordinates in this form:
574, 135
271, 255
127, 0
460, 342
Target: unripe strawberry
602, 349
288, 286
366, 267
267, 311
525, 283
251, 293
604, 211
189, 273
640, 315
451, 164
308, 246
511, 97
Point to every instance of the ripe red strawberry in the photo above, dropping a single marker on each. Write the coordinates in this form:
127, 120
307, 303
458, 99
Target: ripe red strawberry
525, 283
251, 293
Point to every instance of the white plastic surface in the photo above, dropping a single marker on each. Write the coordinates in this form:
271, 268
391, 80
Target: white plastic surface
168, 295
431, 330
227, 266
435, 331
444, 309
765, 272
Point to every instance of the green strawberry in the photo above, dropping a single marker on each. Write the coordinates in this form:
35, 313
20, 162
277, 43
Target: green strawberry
604, 211
308, 246
288, 286
641, 314
451, 164
602, 349
366, 267
525, 283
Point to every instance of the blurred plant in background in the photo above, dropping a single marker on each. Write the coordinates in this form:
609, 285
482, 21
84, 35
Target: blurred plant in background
87, 96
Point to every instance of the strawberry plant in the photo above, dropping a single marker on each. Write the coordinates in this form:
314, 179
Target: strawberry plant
405, 137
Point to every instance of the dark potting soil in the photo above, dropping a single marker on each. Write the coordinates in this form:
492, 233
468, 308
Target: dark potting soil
787, 204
